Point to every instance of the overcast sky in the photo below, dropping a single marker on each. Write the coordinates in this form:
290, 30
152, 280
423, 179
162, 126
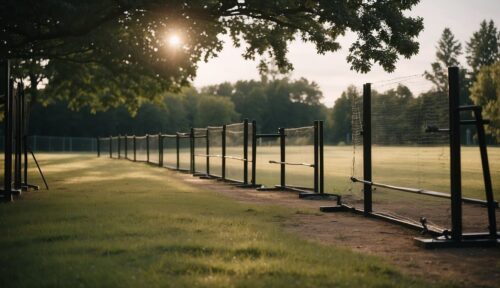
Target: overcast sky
332, 72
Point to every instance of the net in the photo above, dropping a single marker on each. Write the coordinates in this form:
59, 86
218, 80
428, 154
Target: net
200, 150
169, 151
299, 156
114, 147
268, 149
184, 151
235, 158
215, 151
130, 147
104, 146
141, 148
154, 153
122, 149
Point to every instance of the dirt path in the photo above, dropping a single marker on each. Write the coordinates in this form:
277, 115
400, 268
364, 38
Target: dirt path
469, 267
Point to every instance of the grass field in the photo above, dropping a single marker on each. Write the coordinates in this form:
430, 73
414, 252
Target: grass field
116, 223
422, 167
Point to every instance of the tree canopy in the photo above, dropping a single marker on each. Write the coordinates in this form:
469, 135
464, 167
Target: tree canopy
104, 53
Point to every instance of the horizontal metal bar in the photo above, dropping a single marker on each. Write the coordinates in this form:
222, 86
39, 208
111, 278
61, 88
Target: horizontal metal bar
291, 163
474, 122
468, 107
430, 229
422, 191
267, 135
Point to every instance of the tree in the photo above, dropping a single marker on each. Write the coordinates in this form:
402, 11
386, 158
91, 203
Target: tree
340, 118
482, 48
486, 93
101, 53
214, 110
448, 51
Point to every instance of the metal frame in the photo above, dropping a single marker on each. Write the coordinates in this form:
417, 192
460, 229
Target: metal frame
442, 237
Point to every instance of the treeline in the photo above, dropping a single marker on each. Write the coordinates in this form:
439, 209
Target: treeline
276, 103
273, 104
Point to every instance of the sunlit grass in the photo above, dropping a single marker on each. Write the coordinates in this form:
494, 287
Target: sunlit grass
117, 223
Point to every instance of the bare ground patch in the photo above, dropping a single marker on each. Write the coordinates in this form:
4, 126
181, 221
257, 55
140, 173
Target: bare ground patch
468, 267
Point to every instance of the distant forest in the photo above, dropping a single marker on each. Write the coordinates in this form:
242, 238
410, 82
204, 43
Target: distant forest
281, 102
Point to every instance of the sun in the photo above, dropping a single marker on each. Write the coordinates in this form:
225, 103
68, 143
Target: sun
174, 40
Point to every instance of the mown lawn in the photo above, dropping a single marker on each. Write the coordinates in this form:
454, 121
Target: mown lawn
111, 223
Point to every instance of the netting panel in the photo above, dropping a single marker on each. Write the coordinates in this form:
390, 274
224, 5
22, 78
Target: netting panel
185, 153
234, 151
299, 149
130, 147
104, 146
169, 151
114, 147
154, 156
215, 151
141, 148
268, 149
200, 150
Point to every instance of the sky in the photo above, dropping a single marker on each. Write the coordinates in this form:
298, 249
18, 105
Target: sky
332, 72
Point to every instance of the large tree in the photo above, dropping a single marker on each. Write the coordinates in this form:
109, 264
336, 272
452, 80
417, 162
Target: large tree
447, 52
482, 48
486, 93
105, 53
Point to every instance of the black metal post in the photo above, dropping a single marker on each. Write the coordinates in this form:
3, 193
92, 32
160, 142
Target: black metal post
177, 147
119, 146
147, 148
316, 156
455, 164
367, 147
254, 152
24, 139
282, 157
208, 151
98, 147
17, 138
126, 146
135, 148
245, 151
160, 150
6, 86
492, 227
224, 152
110, 146
191, 150
321, 159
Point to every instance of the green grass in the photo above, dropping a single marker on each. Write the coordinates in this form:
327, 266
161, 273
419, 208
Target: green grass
115, 223
414, 167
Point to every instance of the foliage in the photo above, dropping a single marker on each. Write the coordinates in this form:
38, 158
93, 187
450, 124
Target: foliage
105, 53
448, 51
486, 93
482, 48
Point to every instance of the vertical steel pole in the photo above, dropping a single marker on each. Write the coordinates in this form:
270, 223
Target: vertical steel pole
224, 152
367, 147
110, 146
17, 137
160, 150
191, 150
24, 138
254, 152
147, 148
455, 159
119, 146
98, 147
126, 146
135, 148
245, 151
321, 159
492, 222
282, 157
177, 146
6, 86
316, 156
208, 151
